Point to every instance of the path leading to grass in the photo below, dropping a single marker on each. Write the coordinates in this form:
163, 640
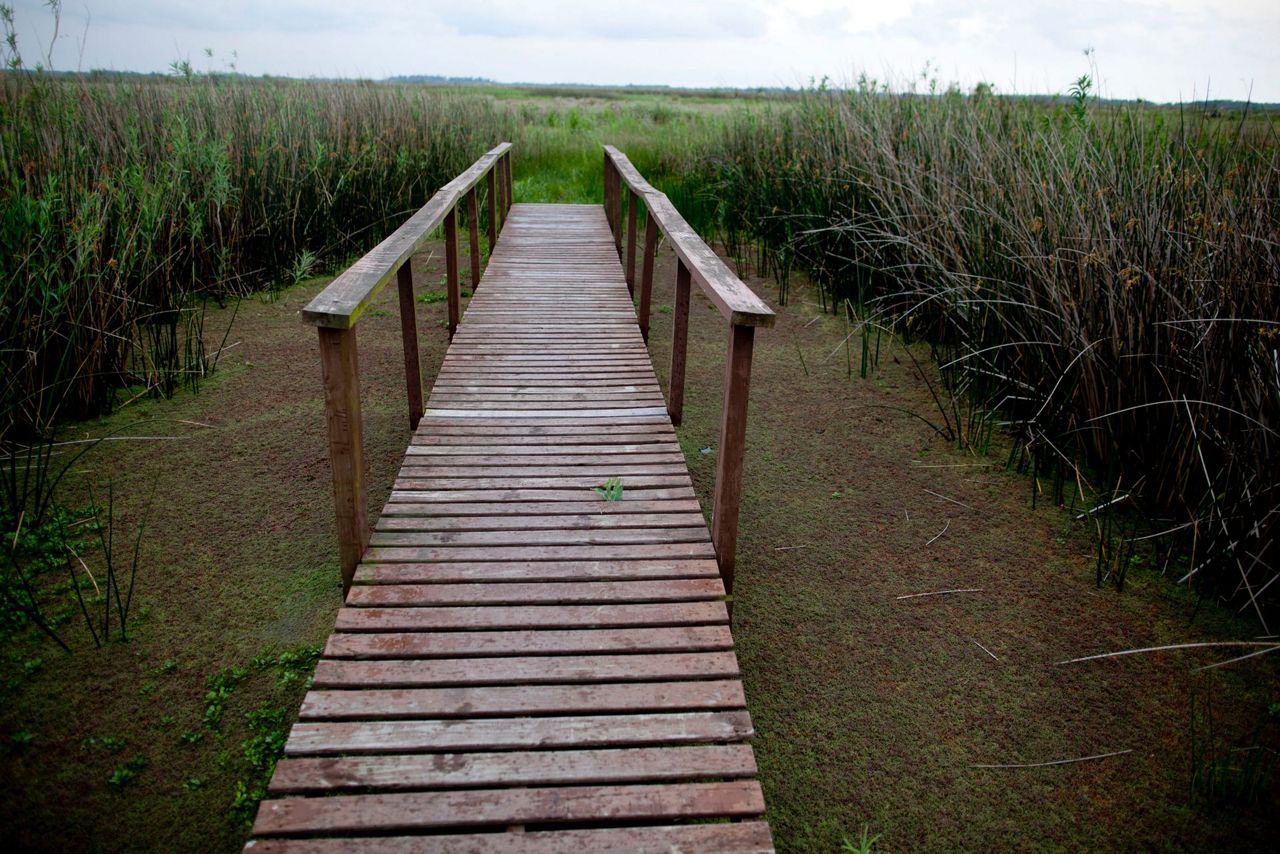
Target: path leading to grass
522, 650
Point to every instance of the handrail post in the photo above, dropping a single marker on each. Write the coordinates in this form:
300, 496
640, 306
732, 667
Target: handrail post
679, 344
473, 236
502, 194
339, 371
733, 432
510, 183
492, 201
608, 191
646, 271
451, 268
631, 243
617, 215
409, 334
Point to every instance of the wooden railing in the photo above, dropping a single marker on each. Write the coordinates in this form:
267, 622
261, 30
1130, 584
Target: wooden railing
338, 307
624, 186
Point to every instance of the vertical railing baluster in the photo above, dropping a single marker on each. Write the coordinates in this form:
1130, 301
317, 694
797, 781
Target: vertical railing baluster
631, 243
473, 236
617, 214
492, 201
339, 371
646, 270
733, 432
510, 183
679, 344
409, 335
451, 268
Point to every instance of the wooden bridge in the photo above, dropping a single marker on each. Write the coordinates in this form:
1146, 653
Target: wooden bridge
531, 657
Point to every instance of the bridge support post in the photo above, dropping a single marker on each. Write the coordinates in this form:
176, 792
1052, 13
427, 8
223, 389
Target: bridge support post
631, 243
679, 344
339, 371
733, 433
409, 335
492, 200
646, 272
473, 237
451, 269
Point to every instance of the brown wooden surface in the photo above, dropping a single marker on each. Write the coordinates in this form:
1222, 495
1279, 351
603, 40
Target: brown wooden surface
746, 837
340, 374
473, 236
733, 433
516, 650
409, 337
679, 345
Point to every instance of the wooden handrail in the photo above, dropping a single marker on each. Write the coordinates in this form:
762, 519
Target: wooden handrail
338, 307
696, 262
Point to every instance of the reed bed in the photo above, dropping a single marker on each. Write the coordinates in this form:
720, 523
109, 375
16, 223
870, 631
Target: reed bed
128, 201
1101, 279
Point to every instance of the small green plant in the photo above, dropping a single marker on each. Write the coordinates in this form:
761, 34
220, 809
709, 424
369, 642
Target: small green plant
22, 738
611, 490
864, 845
166, 667
127, 772
429, 297
113, 744
195, 783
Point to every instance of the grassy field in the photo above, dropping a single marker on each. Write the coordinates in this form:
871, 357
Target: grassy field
872, 711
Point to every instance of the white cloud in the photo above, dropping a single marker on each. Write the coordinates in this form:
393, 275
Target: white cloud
1159, 49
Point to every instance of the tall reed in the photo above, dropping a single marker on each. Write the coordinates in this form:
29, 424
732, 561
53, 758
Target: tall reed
126, 201
1103, 276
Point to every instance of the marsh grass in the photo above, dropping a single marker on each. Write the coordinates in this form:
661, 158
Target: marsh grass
127, 202
1103, 277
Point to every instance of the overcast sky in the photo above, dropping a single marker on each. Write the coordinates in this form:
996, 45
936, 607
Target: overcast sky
1162, 50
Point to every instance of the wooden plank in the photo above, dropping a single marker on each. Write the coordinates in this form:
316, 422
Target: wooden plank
595, 509
747, 837
531, 617
523, 522
539, 538
425, 810
562, 670
341, 303
318, 738
536, 494
527, 642
504, 769
539, 593
494, 572
628, 551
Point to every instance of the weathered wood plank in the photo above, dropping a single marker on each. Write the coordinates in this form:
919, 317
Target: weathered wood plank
564, 670
747, 837
527, 642
540, 593
425, 810
531, 617
504, 769
318, 738
498, 572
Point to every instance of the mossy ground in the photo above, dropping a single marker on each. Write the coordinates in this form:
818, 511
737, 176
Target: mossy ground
869, 710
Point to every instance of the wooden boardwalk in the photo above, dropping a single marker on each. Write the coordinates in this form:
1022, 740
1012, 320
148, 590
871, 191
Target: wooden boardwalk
522, 665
